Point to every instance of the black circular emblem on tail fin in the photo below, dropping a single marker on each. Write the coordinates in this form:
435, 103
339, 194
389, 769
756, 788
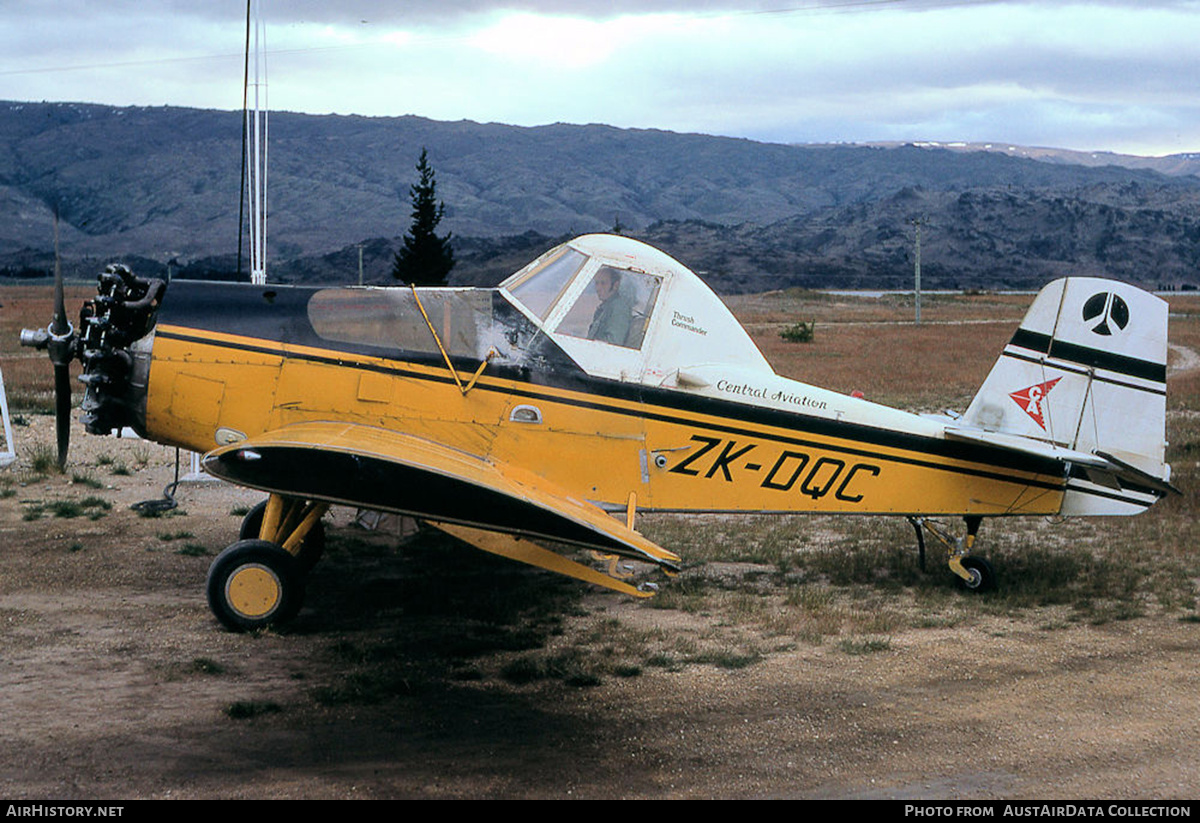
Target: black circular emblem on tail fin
1110, 309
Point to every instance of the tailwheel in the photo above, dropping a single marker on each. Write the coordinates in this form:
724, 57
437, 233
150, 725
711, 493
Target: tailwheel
293, 524
255, 584
981, 576
972, 573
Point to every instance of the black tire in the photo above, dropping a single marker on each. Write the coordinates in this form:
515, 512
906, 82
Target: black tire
983, 576
254, 585
252, 522
311, 549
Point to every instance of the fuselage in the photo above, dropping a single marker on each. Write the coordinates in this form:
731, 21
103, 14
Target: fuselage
228, 362
603, 378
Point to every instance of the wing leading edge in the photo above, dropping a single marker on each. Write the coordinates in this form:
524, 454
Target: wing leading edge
375, 468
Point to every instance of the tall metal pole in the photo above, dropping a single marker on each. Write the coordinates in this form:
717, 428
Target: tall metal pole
256, 149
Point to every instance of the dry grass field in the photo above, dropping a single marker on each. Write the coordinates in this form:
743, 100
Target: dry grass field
794, 657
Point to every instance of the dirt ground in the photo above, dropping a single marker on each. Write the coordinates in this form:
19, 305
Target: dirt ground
117, 683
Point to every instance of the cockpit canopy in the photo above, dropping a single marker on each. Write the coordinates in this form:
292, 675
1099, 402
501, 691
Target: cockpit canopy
618, 308
623, 309
628, 297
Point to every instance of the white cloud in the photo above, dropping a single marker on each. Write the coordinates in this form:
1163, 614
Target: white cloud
1082, 75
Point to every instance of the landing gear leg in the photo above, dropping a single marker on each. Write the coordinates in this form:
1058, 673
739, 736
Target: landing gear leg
293, 524
974, 574
917, 523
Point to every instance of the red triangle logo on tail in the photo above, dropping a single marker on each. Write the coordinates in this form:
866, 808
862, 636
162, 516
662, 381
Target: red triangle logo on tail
1030, 399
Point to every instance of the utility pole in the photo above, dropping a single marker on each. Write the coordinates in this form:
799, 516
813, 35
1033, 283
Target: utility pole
918, 222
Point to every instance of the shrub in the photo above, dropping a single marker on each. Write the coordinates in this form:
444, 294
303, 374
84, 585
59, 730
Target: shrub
799, 332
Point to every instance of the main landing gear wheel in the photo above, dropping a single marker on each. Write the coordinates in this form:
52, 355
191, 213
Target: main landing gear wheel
253, 585
311, 548
983, 577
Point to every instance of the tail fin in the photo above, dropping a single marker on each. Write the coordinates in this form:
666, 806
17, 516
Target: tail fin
1086, 371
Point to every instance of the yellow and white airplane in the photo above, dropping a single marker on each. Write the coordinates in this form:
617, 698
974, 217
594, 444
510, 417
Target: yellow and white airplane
602, 380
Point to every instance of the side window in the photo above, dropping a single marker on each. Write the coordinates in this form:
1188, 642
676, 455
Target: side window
540, 289
614, 308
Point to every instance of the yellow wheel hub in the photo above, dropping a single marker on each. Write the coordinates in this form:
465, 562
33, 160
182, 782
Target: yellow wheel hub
253, 591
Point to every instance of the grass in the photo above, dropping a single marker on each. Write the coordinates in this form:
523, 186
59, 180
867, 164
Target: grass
865, 645
29, 381
86, 479
457, 614
849, 578
141, 454
154, 512
584, 663
204, 665
114, 466
92, 508
819, 590
753, 586
571, 666
249, 709
42, 459
959, 355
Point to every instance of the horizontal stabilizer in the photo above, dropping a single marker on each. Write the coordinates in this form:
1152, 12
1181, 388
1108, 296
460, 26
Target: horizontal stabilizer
1026, 445
1136, 475
1101, 467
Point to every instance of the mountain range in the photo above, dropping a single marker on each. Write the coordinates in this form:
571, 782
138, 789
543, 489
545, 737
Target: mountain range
159, 186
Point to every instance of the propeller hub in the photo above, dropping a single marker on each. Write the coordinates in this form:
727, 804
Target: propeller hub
61, 347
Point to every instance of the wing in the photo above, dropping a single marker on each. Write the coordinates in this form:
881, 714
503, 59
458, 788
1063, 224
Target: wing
390, 471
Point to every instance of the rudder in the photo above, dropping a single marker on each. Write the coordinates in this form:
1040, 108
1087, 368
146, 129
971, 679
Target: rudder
1086, 370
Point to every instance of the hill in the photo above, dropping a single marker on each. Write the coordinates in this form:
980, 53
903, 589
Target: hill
153, 185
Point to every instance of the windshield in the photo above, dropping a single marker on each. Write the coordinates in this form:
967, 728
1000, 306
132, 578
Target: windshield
540, 289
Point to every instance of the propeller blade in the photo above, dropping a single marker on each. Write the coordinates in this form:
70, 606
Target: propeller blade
60, 325
59, 341
62, 411
61, 348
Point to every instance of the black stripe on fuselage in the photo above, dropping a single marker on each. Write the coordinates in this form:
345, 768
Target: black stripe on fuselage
668, 406
1087, 356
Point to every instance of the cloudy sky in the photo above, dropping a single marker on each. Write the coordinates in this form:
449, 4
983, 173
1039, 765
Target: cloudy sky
1119, 76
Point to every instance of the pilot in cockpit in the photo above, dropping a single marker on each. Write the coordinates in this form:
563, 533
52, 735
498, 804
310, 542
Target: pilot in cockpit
614, 316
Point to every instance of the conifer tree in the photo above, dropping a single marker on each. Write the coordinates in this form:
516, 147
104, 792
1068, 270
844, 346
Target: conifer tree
425, 259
